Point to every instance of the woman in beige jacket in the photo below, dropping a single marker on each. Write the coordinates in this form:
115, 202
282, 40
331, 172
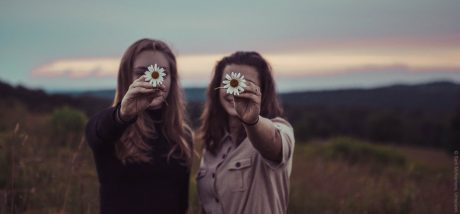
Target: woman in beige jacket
248, 146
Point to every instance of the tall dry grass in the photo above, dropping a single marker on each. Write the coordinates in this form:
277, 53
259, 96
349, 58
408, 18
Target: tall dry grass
41, 175
364, 178
41, 172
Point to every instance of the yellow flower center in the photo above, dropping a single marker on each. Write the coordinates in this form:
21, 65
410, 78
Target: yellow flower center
234, 83
155, 75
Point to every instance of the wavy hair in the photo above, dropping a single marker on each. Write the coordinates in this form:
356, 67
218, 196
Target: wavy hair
131, 146
214, 119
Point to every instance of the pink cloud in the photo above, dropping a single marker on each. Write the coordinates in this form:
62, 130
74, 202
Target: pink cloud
324, 62
78, 68
370, 69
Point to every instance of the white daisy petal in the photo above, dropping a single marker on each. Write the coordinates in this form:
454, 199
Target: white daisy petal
159, 70
232, 77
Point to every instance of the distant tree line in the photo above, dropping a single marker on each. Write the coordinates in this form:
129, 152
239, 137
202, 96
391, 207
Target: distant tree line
316, 115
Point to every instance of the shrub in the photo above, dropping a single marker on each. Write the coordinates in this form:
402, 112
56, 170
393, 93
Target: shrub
355, 151
67, 124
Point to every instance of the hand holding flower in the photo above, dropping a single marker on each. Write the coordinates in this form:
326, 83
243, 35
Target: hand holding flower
146, 91
247, 104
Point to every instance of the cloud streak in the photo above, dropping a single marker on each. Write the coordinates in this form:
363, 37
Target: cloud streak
290, 64
78, 68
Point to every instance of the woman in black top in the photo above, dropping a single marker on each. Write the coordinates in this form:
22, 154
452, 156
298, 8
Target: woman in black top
142, 146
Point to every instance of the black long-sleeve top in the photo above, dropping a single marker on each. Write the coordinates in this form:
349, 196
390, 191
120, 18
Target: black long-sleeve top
160, 186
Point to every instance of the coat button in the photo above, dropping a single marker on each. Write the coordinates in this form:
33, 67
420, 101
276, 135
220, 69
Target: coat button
217, 200
213, 175
238, 164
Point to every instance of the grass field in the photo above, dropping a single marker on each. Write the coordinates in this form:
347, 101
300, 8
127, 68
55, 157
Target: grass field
45, 170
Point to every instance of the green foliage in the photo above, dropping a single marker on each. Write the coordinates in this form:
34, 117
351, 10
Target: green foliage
355, 151
383, 125
338, 176
67, 120
67, 125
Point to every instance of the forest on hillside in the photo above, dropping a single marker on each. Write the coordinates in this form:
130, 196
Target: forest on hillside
421, 115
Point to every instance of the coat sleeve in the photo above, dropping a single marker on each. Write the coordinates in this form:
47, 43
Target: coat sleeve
286, 133
103, 130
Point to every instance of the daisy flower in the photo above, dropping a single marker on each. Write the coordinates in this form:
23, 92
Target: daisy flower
234, 83
155, 75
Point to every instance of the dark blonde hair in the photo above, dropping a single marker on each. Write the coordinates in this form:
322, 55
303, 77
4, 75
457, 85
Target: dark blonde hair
214, 119
131, 146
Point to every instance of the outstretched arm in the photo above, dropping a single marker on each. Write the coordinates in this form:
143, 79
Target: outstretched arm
261, 131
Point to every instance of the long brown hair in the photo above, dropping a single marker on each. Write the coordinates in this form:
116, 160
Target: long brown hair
131, 146
214, 119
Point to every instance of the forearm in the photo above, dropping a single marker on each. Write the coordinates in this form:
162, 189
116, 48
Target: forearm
265, 138
104, 128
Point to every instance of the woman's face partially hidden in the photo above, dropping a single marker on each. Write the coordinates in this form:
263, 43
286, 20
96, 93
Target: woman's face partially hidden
147, 58
250, 74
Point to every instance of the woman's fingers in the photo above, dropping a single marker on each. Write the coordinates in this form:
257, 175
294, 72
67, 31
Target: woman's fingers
250, 96
142, 90
147, 93
252, 88
140, 79
140, 85
142, 94
147, 85
251, 92
160, 88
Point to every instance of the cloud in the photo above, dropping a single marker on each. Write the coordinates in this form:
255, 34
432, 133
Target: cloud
306, 63
78, 68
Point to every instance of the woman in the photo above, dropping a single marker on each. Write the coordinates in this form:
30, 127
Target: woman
248, 146
142, 146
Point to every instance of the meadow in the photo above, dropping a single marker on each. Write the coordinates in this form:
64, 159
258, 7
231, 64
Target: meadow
46, 167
